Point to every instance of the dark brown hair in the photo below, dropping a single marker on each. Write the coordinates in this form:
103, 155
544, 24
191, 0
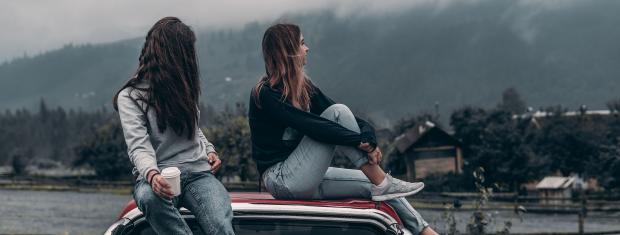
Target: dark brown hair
284, 65
168, 64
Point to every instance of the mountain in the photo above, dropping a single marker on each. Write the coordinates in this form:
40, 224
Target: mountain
386, 65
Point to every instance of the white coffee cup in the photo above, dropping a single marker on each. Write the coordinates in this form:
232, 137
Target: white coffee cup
172, 175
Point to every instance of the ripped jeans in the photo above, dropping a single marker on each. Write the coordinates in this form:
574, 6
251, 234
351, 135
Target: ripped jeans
306, 173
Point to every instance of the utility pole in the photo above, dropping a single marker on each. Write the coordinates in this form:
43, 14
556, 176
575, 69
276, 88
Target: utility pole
582, 211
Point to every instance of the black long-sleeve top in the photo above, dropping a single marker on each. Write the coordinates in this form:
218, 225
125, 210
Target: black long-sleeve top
268, 123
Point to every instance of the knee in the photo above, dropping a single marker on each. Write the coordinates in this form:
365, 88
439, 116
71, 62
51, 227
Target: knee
341, 108
341, 114
147, 200
337, 112
211, 202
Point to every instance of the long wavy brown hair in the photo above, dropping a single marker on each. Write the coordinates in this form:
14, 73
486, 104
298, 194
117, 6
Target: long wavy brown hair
168, 64
284, 66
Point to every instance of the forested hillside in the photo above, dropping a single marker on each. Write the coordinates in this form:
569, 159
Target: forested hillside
386, 65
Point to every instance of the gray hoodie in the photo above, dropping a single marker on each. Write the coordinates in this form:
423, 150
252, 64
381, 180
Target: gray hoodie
150, 149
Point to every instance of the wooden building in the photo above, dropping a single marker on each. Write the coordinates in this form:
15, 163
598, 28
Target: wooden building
428, 150
557, 190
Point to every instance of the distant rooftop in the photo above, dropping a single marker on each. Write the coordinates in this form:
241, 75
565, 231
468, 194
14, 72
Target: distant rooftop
555, 182
568, 113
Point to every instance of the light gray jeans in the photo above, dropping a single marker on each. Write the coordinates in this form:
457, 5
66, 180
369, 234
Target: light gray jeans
306, 173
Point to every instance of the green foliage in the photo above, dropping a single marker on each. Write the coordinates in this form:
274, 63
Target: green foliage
106, 152
480, 221
570, 145
230, 133
51, 133
494, 141
610, 166
19, 161
95, 139
517, 150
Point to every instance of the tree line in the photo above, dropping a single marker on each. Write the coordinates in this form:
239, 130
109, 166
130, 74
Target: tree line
511, 144
53, 137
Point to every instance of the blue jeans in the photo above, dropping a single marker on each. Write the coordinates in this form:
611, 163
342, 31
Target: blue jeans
201, 193
306, 173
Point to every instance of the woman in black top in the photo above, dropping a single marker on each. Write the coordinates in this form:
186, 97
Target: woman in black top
295, 129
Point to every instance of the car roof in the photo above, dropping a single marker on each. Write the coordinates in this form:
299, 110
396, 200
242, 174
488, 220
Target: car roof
267, 199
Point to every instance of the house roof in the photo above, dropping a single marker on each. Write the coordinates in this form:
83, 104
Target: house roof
417, 133
555, 182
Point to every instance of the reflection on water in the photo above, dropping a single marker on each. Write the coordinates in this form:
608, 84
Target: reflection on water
58, 212
91, 213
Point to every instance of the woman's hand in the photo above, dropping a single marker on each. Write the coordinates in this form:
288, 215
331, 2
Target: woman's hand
374, 154
160, 186
375, 157
366, 147
215, 161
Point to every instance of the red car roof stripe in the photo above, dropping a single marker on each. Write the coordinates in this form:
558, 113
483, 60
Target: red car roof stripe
266, 198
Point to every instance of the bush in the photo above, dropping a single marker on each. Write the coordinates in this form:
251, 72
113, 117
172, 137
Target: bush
106, 153
230, 134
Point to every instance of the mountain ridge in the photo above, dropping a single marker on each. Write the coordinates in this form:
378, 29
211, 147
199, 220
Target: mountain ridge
387, 66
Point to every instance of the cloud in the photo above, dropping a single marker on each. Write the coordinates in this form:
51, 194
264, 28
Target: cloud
33, 27
524, 15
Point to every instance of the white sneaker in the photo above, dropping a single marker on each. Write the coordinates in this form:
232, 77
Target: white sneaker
396, 188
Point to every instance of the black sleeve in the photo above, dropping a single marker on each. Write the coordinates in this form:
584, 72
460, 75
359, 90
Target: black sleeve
320, 102
307, 123
368, 131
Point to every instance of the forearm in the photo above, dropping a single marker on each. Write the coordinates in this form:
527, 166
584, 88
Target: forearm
210, 148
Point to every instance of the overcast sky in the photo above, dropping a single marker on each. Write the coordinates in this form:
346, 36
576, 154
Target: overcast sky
35, 26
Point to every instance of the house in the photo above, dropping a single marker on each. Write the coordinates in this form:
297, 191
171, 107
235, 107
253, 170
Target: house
427, 150
556, 190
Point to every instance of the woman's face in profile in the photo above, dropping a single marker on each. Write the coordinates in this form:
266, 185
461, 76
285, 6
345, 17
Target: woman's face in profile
303, 48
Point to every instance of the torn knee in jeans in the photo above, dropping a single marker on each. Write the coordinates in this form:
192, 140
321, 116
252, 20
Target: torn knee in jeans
341, 114
334, 111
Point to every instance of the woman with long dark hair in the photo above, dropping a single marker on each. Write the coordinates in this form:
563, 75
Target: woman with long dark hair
295, 129
158, 109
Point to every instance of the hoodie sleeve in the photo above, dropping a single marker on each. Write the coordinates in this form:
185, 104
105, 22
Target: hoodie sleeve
134, 123
308, 123
208, 145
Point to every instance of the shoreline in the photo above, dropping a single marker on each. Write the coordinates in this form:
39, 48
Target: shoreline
422, 201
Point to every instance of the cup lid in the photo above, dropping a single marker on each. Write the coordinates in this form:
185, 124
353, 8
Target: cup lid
170, 172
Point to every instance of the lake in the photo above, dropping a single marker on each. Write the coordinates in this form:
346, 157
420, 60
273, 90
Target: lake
46, 212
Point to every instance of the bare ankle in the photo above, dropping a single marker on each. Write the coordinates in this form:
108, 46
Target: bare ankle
375, 174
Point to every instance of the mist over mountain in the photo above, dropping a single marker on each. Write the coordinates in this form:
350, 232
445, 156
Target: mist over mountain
386, 65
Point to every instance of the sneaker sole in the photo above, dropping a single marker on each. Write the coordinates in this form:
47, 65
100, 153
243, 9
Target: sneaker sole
386, 197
